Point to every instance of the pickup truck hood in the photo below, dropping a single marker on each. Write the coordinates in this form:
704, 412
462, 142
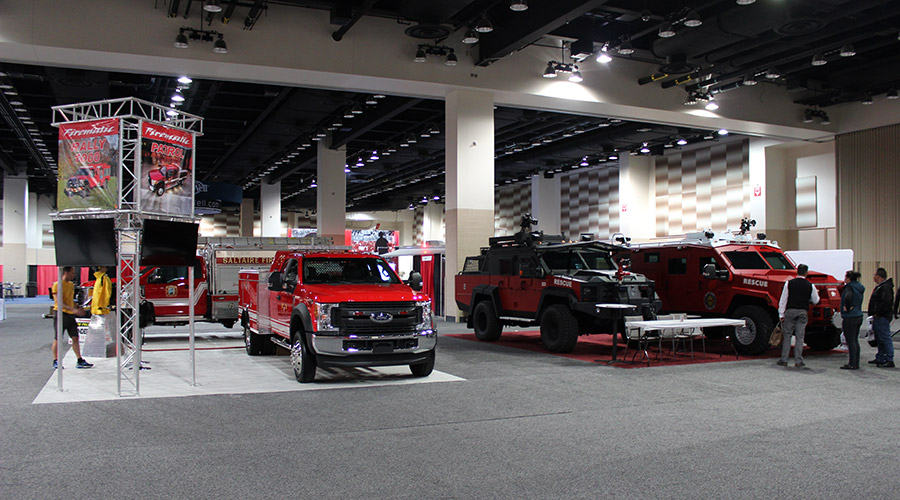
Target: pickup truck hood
363, 293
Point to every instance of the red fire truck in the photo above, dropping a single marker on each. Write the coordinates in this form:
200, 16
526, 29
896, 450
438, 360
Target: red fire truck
161, 179
87, 178
735, 275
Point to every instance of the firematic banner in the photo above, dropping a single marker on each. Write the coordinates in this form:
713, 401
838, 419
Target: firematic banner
88, 165
166, 176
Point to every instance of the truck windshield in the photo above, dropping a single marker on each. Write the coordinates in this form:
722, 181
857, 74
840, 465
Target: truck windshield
777, 260
347, 271
84, 171
577, 259
746, 260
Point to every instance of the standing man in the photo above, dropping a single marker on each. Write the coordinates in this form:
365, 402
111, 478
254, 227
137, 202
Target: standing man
381, 244
69, 311
793, 307
880, 310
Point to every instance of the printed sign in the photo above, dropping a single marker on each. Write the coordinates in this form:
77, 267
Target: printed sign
166, 176
88, 165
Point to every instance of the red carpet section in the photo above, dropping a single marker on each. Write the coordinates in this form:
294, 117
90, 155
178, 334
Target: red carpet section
598, 349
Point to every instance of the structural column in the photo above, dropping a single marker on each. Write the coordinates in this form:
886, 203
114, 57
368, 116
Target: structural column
270, 208
15, 229
637, 197
469, 181
331, 195
545, 205
247, 217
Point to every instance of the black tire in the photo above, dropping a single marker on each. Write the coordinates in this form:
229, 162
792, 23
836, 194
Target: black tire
424, 368
302, 360
559, 329
754, 338
256, 344
824, 339
485, 321
160, 189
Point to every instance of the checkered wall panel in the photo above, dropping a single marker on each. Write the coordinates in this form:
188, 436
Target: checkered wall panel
510, 204
703, 189
419, 227
589, 202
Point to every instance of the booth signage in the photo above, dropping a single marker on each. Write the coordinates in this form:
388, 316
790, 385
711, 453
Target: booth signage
88, 165
166, 176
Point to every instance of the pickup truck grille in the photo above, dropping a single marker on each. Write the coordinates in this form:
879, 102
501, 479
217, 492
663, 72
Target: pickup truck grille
375, 318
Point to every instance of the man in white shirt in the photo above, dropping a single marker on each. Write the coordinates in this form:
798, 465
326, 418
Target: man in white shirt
796, 297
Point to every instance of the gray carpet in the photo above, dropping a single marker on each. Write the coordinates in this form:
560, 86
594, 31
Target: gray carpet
523, 425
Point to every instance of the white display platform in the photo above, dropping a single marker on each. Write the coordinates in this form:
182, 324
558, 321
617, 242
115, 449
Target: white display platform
223, 367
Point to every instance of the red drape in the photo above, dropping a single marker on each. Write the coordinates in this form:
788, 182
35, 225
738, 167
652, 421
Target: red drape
1, 272
85, 274
428, 276
46, 277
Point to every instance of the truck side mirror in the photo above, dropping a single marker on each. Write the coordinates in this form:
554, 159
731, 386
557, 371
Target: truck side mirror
155, 277
275, 281
709, 271
415, 281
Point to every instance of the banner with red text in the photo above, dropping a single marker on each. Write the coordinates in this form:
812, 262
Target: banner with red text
166, 176
88, 165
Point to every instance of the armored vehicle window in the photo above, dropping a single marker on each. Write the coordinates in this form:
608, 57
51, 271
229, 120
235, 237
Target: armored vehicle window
678, 266
746, 260
506, 266
651, 258
777, 260
576, 260
472, 265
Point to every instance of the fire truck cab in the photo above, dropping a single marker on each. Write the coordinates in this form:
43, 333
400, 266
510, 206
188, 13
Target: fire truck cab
166, 177
86, 178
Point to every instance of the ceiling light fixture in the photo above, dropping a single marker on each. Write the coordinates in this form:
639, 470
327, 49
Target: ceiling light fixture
644, 148
212, 6
681, 141
185, 80
722, 131
550, 72
484, 25
867, 100
371, 100
750, 80
712, 105
424, 50
185, 33
451, 59
518, 5
693, 19
178, 96
772, 73
892, 94
744, 2
847, 51
420, 56
819, 60
470, 38
576, 77
603, 56
666, 30
625, 47
691, 99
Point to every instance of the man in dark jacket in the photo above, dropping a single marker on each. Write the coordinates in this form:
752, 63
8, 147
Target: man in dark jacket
880, 309
797, 295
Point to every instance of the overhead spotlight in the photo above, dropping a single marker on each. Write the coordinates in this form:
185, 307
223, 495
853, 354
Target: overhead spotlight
808, 116
681, 141
178, 96
772, 73
359, 162
666, 30
824, 120
603, 56
404, 144
613, 156
576, 76
693, 19
625, 47
411, 138
892, 94
819, 60
356, 110
867, 100
712, 105
420, 56
313, 184
644, 148
171, 112
374, 156
471, 37
348, 113
181, 41
847, 51
434, 129
337, 123
185, 80
212, 6
722, 131
744, 2
518, 5
391, 148
550, 72
750, 80
484, 25
426, 132
709, 136
645, 15
691, 99
451, 59
584, 162
371, 100
219, 46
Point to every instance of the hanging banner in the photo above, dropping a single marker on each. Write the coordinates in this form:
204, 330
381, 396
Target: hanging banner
88, 165
166, 175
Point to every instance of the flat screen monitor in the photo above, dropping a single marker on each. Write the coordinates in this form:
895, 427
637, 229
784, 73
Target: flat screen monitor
167, 243
85, 242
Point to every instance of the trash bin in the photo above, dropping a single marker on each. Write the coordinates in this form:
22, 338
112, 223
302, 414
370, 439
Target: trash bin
31, 289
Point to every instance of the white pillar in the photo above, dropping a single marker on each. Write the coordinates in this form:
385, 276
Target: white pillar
331, 194
270, 208
545, 205
469, 181
15, 229
637, 197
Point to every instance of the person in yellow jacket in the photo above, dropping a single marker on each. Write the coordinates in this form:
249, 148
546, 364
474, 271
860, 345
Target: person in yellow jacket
102, 292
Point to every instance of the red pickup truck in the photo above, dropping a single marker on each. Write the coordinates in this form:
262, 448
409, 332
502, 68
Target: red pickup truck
337, 309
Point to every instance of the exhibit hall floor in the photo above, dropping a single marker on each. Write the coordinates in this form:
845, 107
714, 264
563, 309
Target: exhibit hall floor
491, 422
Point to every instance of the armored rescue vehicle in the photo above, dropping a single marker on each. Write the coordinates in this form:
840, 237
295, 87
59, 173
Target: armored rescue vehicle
735, 275
531, 279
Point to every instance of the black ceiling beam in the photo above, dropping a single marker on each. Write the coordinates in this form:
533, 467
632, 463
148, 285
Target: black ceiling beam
538, 20
363, 9
395, 106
